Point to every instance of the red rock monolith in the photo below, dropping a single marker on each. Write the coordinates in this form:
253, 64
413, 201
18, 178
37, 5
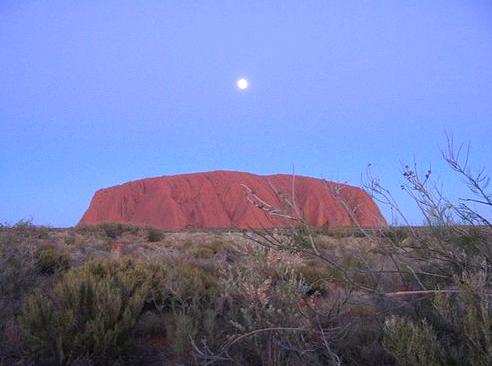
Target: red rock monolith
226, 199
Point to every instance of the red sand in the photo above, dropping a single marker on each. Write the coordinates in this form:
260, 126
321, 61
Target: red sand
219, 200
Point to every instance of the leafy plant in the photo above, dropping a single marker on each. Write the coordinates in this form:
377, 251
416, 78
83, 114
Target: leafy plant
412, 343
154, 235
114, 230
17, 272
91, 312
190, 294
51, 259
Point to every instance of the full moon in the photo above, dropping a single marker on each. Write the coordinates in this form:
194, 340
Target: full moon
242, 84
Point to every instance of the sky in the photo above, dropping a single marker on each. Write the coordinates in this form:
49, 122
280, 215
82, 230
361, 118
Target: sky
97, 93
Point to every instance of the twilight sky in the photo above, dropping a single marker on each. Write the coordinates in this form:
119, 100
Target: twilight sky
96, 93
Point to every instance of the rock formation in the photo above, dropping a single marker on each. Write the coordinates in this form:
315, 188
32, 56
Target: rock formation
225, 199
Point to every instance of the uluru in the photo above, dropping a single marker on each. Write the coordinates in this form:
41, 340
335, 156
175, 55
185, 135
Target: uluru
228, 199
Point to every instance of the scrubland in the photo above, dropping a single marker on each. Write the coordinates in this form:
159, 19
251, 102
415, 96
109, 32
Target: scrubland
114, 294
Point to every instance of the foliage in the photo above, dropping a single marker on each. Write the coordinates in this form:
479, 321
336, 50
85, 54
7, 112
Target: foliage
51, 259
206, 250
154, 235
412, 343
17, 273
26, 229
263, 325
113, 230
397, 270
316, 277
188, 293
465, 320
91, 312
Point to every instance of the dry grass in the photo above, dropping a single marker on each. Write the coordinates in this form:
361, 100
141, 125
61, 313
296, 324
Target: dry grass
220, 298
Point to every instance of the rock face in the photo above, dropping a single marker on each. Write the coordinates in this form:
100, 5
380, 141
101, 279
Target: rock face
225, 199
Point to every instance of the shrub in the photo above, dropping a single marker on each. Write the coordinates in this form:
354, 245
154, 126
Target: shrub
396, 272
51, 259
154, 235
397, 234
474, 242
464, 320
92, 312
114, 230
260, 307
17, 274
188, 293
316, 276
25, 228
206, 250
188, 284
412, 343
181, 331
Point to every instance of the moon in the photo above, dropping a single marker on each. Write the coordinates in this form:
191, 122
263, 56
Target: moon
242, 84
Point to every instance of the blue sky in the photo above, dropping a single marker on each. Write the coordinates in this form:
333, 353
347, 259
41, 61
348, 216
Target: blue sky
96, 93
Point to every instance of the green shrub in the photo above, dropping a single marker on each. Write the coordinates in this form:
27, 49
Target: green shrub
157, 282
397, 234
70, 240
474, 242
51, 259
200, 252
92, 312
316, 276
188, 284
206, 250
114, 230
25, 228
154, 235
268, 298
17, 273
412, 343
188, 293
465, 320
181, 330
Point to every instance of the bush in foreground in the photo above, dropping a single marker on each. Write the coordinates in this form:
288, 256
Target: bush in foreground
92, 311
